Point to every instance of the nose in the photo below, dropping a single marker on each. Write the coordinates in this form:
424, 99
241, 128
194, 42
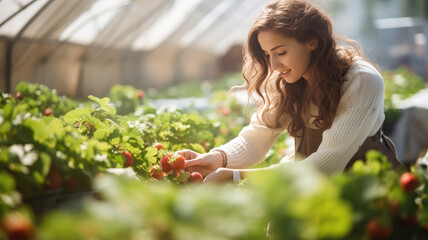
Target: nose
274, 63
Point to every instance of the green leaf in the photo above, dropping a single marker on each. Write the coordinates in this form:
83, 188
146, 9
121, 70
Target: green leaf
197, 147
184, 177
76, 115
7, 183
101, 134
151, 151
104, 105
44, 129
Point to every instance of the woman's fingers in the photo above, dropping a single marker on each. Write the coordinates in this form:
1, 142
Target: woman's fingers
193, 162
187, 154
198, 165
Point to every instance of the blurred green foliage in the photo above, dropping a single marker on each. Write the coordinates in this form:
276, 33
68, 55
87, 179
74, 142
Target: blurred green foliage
84, 140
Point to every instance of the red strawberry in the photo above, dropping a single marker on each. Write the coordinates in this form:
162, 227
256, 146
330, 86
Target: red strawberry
425, 227
54, 178
166, 166
140, 94
409, 182
177, 162
411, 220
47, 112
394, 207
129, 159
196, 177
70, 183
376, 231
19, 96
16, 226
224, 111
224, 130
158, 146
156, 172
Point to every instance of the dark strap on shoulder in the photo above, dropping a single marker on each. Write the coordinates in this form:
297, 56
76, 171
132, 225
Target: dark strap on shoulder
384, 145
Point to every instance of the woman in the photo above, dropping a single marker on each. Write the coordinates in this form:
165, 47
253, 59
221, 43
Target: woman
326, 96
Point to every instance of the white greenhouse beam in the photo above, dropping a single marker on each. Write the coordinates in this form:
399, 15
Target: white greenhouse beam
206, 22
9, 9
90, 23
129, 25
14, 25
165, 25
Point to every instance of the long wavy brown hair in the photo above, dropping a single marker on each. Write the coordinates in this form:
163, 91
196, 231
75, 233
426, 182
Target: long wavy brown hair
329, 62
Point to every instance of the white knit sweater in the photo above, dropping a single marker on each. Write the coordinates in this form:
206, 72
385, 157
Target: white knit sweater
360, 114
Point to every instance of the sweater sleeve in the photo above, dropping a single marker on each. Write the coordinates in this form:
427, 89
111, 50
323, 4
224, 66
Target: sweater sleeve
251, 144
359, 115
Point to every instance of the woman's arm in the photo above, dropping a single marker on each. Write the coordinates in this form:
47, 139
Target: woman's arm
251, 145
226, 174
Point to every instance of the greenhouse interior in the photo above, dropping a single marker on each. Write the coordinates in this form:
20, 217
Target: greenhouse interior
139, 119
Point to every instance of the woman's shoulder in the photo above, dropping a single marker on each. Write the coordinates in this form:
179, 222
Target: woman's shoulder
362, 72
362, 67
362, 81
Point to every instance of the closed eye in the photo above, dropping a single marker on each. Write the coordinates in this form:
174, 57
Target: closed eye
282, 53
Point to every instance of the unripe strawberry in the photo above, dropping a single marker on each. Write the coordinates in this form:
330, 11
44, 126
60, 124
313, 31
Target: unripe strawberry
409, 182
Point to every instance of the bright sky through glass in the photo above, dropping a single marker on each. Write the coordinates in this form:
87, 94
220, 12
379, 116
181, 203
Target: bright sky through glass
88, 25
165, 25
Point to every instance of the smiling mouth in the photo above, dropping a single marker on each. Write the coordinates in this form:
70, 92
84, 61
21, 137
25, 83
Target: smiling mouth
285, 73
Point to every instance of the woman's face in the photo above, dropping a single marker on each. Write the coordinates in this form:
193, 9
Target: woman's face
287, 56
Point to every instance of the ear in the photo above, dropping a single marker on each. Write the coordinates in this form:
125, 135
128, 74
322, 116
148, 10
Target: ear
312, 44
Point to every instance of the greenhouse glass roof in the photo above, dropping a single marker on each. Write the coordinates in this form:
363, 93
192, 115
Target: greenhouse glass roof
139, 25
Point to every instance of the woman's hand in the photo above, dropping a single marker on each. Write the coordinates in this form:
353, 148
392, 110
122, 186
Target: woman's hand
204, 163
220, 175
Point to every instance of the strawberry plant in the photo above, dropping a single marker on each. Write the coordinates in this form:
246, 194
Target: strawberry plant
35, 98
79, 147
125, 98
